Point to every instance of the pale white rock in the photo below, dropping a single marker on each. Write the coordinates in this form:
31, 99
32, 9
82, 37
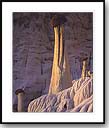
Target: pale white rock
65, 101
90, 109
83, 106
85, 91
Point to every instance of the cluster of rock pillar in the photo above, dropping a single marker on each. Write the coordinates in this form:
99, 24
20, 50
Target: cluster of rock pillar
61, 77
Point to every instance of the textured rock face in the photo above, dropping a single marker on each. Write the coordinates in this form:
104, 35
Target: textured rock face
33, 44
78, 98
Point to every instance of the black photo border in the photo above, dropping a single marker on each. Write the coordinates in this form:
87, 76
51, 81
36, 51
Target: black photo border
1, 122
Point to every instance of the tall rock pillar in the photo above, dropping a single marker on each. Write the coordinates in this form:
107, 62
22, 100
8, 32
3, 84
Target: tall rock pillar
61, 77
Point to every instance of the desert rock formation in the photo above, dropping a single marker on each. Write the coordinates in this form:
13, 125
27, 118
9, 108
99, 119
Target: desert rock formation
33, 50
61, 77
78, 98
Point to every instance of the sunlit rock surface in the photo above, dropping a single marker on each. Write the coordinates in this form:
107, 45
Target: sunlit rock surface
78, 98
61, 76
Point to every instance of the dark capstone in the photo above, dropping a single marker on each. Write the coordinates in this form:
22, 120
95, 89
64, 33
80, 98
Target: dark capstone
86, 58
19, 91
58, 20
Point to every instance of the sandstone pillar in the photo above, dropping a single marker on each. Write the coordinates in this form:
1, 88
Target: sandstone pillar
60, 78
84, 69
20, 95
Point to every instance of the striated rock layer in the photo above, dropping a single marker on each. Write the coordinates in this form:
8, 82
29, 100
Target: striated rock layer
78, 98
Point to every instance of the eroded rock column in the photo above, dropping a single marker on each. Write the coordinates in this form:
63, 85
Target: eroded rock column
84, 69
20, 95
61, 77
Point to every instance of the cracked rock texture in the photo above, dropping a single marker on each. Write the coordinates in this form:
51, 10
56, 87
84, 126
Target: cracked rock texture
33, 44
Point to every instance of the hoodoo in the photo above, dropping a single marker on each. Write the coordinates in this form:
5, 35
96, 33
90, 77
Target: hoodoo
61, 77
84, 68
20, 95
